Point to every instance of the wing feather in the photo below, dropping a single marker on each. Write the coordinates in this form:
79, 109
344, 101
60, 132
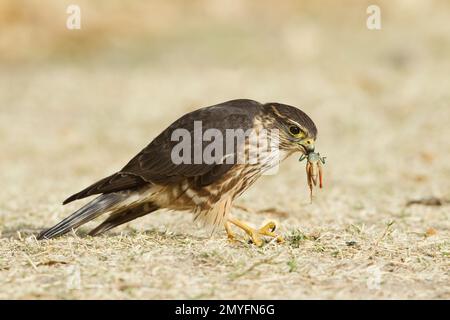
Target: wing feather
153, 165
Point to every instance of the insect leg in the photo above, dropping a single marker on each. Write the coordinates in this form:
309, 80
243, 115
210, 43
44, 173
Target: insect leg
320, 175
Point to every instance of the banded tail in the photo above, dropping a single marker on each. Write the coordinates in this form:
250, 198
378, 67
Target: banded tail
122, 206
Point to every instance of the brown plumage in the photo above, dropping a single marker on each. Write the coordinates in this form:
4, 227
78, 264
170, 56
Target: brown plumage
151, 180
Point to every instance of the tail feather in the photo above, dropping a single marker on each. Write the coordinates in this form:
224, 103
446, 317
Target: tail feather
123, 216
113, 183
93, 209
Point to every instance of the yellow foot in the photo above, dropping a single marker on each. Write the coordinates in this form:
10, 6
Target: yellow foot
254, 234
268, 230
230, 233
255, 238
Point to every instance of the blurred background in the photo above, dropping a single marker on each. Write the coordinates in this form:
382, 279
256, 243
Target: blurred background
76, 105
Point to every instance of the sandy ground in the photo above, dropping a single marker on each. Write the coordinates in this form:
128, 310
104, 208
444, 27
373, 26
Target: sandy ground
380, 100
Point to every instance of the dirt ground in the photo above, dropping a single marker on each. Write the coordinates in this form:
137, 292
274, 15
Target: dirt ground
75, 108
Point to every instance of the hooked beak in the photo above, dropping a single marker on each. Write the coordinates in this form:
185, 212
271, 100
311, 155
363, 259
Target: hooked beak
307, 145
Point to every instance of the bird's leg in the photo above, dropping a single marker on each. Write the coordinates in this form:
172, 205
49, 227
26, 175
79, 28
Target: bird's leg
230, 232
255, 234
268, 230
256, 239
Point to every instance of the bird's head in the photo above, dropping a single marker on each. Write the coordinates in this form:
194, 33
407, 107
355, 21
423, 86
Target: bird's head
297, 132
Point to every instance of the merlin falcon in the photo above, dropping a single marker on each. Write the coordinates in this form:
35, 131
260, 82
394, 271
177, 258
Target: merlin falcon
152, 180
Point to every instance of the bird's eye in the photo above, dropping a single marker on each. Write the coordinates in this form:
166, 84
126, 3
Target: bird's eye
294, 130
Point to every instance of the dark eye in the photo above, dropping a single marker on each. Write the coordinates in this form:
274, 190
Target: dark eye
294, 130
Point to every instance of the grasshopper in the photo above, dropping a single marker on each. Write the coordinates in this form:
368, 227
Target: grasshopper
314, 164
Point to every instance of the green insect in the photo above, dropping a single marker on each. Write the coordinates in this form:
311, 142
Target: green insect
314, 172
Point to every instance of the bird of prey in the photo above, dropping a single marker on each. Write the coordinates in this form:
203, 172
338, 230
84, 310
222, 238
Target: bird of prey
152, 180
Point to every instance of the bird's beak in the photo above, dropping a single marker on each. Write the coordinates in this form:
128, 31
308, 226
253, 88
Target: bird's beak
307, 145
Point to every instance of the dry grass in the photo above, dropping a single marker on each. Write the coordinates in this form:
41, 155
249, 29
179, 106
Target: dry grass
379, 99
